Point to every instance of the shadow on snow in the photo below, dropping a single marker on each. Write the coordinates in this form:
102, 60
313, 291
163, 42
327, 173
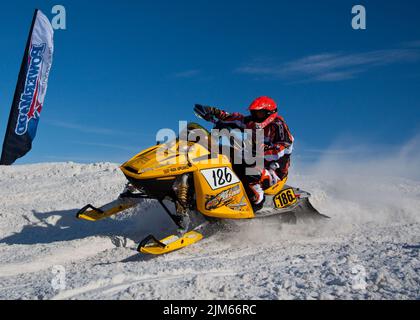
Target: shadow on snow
63, 225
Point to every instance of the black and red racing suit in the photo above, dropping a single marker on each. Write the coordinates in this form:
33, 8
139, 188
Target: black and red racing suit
278, 147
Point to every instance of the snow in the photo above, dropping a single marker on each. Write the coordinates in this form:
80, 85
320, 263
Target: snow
370, 249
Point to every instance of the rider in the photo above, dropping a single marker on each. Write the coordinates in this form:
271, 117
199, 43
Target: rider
278, 143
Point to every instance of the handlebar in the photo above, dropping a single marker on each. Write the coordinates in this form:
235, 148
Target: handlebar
244, 145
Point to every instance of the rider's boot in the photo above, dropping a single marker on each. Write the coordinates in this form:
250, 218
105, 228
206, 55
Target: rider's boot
258, 206
258, 197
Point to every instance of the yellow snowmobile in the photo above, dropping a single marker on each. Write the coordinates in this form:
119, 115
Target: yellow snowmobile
200, 186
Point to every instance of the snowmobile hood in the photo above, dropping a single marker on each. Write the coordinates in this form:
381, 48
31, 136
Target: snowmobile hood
175, 157
166, 160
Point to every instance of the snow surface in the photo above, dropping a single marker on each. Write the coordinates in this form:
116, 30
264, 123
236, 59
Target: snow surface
370, 249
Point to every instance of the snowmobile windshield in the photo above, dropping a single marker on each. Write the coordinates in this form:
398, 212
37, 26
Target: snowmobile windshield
196, 133
195, 128
193, 133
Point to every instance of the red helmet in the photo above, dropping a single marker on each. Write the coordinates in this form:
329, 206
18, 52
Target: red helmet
263, 103
263, 110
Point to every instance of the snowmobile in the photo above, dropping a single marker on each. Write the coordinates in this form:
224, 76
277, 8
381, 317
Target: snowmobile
195, 187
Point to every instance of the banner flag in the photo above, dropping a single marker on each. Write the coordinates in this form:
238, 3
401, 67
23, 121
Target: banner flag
30, 90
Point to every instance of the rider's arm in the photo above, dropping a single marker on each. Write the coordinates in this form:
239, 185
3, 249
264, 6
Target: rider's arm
282, 143
226, 117
235, 119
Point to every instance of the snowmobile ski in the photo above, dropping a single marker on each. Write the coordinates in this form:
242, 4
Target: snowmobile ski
151, 245
90, 213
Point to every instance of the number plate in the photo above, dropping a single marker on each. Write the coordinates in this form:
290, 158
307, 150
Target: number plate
220, 177
285, 198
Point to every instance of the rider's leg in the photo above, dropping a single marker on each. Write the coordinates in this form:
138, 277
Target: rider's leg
257, 193
256, 185
279, 169
284, 164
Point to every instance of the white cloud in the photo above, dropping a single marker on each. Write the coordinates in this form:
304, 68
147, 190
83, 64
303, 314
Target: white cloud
333, 66
92, 129
81, 128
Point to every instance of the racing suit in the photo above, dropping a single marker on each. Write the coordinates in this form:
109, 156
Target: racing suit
278, 147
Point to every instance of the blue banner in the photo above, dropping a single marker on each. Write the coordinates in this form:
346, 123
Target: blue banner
30, 90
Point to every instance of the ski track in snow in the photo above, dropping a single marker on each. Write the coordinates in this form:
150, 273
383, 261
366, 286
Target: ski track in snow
370, 249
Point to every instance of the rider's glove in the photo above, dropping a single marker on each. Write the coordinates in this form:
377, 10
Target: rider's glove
266, 147
213, 111
210, 112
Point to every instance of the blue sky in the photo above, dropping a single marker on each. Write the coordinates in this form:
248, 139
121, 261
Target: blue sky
125, 69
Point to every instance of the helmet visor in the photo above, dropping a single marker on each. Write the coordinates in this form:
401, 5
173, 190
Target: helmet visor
260, 115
